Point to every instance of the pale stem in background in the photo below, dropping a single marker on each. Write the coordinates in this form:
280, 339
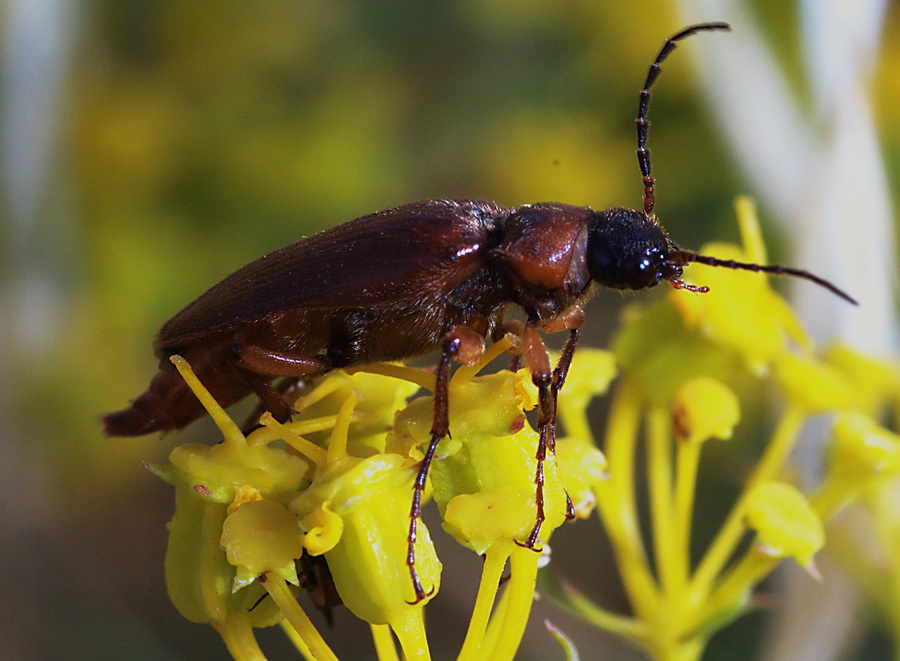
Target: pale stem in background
821, 175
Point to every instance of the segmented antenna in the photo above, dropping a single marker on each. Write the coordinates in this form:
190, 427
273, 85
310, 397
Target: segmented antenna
643, 154
643, 126
686, 256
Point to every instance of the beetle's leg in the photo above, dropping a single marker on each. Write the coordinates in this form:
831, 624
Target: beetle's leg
470, 345
258, 363
571, 318
548, 384
270, 399
571, 321
275, 399
539, 363
559, 379
514, 329
277, 363
465, 345
439, 429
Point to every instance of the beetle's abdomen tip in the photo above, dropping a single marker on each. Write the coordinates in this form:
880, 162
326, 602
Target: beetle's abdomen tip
130, 422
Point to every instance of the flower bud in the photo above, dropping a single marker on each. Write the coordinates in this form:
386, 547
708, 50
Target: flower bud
262, 536
704, 408
785, 524
367, 559
811, 384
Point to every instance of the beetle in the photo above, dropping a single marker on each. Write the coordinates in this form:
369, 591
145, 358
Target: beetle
426, 276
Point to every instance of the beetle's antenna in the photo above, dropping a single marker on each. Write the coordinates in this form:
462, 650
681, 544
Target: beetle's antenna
686, 256
643, 126
643, 154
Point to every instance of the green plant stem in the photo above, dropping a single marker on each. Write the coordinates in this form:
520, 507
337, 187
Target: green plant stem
616, 502
384, 642
659, 478
281, 595
491, 573
731, 532
237, 634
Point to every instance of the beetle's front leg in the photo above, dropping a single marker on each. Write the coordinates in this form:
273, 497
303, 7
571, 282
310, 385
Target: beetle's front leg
548, 383
466, 346
559, 379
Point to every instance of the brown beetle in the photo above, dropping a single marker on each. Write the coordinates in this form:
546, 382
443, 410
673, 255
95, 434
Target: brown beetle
411, 280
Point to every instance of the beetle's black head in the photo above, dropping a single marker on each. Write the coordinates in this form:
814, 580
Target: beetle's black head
628, 250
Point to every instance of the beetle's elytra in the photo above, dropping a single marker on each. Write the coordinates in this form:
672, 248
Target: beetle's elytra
427, 276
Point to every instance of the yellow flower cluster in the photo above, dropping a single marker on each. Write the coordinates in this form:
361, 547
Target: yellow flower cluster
682, 360
336, 483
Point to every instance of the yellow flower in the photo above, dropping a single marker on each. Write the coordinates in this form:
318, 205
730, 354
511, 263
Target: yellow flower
261, 536
218, 471
478, 520
368, 560
874, 383
199, 577
659, 352
591, 373
811, 384
380, 397
863, 449
208, 480
491, 452
323, 528
582, 467
785, 524
740, 324
756, 324
704, 408
356, 510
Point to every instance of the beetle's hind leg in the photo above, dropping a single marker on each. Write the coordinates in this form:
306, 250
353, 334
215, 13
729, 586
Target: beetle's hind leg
258, 366
274, 399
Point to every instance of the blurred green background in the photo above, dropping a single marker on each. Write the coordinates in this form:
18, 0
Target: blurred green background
151, 147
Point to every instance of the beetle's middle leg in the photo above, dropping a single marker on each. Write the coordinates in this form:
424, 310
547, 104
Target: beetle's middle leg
465, 345
548, 383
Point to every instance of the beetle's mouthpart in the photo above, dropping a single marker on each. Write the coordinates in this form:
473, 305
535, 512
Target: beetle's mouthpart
677, 283
670, 269
686, 257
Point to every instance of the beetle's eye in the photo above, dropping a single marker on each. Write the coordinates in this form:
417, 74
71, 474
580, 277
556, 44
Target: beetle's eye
641, 270
635, 270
